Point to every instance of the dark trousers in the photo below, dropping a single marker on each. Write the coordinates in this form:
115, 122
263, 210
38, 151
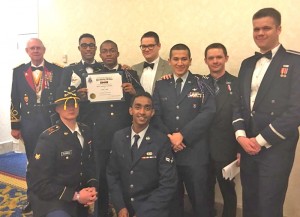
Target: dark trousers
102, 157
264, 179
227, 188
194, 178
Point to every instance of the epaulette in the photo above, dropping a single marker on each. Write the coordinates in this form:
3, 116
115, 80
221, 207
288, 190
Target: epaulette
73, 64
81, 124
205, 77
60, 65
293, 52
20, 65
53, 129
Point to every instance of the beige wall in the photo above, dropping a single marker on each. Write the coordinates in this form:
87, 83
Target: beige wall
194, 22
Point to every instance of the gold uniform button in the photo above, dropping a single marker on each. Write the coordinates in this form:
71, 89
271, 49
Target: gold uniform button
131, 172
177, 106
111, 105
131, 186
177, 117
112, 114
132, 199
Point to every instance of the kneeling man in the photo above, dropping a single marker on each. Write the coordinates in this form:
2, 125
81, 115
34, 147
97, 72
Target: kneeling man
141, 173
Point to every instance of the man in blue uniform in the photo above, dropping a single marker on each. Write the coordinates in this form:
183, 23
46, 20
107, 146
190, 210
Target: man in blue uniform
62, 176
141, 172
184, 108
33, 88
266, 118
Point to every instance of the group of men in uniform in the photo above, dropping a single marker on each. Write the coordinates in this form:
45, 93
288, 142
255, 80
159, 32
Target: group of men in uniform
192, 115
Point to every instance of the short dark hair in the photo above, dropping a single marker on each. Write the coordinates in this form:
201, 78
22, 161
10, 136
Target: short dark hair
268, 12
151, 34
141, 93
215, 45
86, 35
180, 47
109, 42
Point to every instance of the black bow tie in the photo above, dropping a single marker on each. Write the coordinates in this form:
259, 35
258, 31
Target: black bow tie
37, 68
89, 65
151, 65
260, 55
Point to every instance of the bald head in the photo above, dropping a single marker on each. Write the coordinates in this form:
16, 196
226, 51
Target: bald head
35, 50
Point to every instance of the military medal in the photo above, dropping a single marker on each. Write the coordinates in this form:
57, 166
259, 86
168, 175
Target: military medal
284, 70
228, 83
26, 99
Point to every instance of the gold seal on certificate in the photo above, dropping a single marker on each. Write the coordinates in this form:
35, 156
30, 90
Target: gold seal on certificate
105, 87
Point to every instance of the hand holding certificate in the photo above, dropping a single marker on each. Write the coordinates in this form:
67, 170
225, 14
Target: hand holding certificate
231, 170
104, 87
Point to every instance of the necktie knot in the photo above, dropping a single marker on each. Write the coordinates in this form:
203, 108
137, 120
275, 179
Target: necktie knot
33, 68
260, 55
146, 64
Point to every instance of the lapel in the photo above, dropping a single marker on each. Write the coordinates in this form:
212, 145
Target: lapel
271, 72
67, 136
126, 144
86, 143
140, 69
144, 147
247, 81
188, 85
224, 94
28, 76
160, 69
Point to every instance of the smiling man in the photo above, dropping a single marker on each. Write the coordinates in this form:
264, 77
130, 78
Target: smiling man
184, 108
141, 173
154, 67
266, 118
222, 143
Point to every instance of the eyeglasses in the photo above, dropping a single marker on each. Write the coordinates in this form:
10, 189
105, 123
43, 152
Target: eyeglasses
105, 51
149, 46
85, 45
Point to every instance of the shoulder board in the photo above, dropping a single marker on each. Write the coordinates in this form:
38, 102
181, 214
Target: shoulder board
60, 65
53, 129
205, 77
293, 52
73, 64
23, 64
81, 124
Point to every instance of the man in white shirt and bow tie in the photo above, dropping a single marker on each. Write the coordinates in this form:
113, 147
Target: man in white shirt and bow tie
154, 67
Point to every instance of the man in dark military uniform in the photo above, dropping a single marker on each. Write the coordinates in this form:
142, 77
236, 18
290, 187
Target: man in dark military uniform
141, 172
184, 109
267, 117
108, 117
33, 88
222, 143
62, 176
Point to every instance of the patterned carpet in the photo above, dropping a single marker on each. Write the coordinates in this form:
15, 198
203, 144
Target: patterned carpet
12, 184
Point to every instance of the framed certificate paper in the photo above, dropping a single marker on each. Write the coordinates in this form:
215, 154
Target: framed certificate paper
105, 87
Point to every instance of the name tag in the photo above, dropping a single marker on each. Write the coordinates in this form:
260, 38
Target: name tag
66, 153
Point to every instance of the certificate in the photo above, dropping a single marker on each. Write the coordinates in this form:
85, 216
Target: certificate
105, 87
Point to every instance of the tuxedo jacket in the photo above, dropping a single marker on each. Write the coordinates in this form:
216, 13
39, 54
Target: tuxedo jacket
222, 142
59, 168
24, 104
146, 185
190, 114
276, 110
163, 68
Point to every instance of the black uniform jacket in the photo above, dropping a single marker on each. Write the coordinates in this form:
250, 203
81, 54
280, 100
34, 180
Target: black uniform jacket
222, 142
147, 184
59, 168
105, 118
23, 95
276, 110
190, 114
